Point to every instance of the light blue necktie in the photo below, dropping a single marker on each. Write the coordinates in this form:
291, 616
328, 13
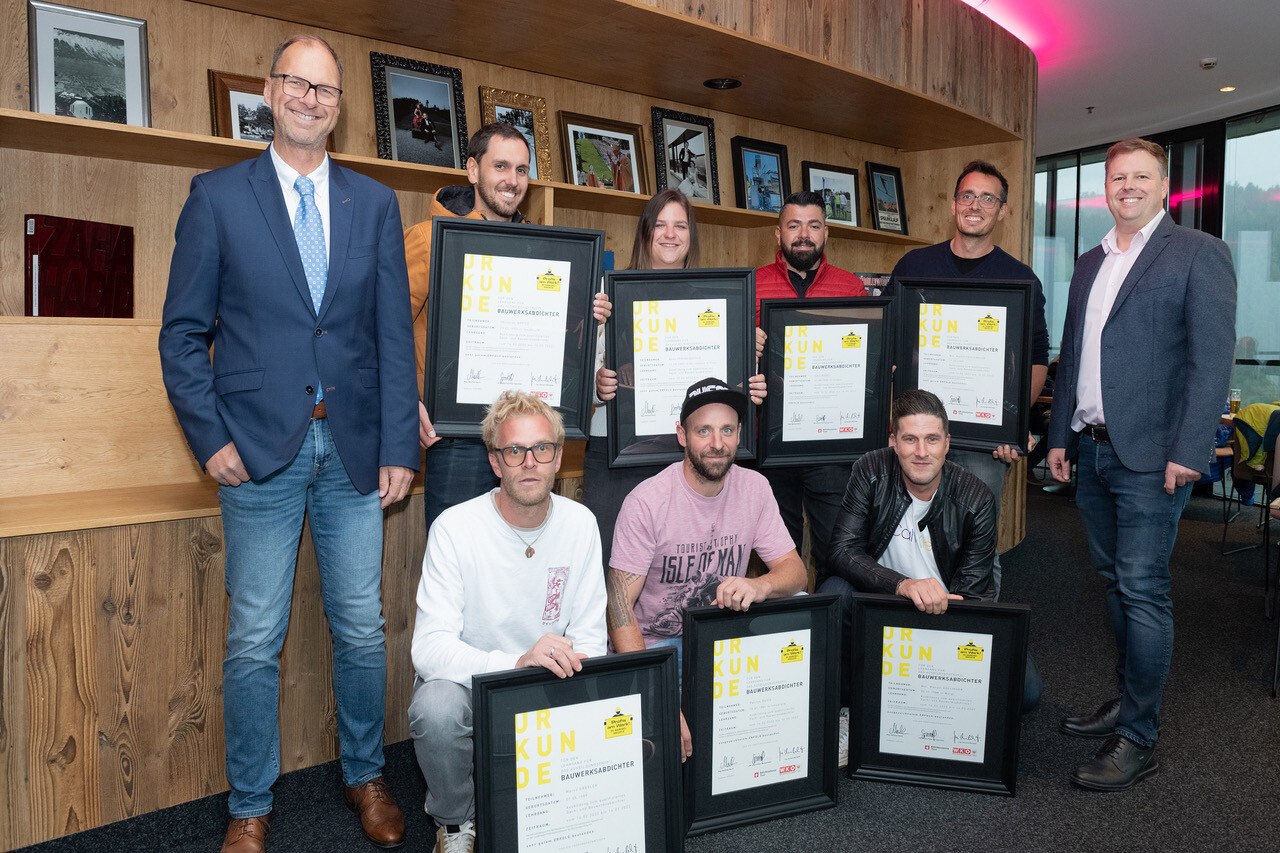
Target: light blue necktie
308, 231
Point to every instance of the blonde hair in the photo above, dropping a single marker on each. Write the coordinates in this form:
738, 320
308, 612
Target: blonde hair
1132, 144
514, 404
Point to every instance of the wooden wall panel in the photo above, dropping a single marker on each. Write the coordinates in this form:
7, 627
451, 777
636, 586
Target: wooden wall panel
112, 669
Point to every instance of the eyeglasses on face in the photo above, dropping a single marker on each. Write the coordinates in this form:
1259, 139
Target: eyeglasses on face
296, 87
514, 454
987, 200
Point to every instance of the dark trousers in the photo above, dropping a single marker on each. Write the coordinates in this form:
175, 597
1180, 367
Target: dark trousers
817, 490
457, 470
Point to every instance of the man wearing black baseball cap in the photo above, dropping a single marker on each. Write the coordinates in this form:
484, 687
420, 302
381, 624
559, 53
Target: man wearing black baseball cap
684, 536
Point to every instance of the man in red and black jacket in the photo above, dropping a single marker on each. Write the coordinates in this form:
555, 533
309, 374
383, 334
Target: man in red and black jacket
801, 270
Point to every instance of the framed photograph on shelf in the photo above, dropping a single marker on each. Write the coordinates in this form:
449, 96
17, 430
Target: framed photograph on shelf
671, 328
418, 111
827, 362
237, 107
838, 186
761, 174
600, 152
969, 342
527, 114
88, 65
937, 699
510, 308
888, 204
762, 701
684, 153
590, 762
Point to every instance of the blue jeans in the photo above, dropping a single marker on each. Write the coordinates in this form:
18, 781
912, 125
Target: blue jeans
262, 524
457, 470
1131, 523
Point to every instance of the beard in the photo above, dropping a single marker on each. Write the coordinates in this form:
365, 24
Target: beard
495, 202
802, 256
710, 468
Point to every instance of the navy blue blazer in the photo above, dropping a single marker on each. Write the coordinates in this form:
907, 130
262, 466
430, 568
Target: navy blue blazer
1167, 349
236, 284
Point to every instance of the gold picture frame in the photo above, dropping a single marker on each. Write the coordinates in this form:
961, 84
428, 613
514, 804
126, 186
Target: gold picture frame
528, 114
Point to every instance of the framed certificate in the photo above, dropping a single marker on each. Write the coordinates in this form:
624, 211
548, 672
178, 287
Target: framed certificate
589, 762
937, 698
969, 342
671, 328
761, 697
510, 308
828, 364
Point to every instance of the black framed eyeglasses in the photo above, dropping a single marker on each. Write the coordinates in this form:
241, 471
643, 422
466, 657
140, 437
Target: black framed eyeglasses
297, 87
513, 455
987, 200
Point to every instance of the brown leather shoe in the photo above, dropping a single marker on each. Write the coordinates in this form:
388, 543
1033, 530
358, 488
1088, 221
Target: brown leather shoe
246, 835
380, 817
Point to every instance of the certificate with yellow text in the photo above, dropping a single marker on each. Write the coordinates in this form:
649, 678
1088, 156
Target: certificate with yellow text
825, 376
933, 693
962, 358
512, 333
676, 342
580, 777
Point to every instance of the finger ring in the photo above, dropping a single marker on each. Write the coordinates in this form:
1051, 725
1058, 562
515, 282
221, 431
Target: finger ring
552, 653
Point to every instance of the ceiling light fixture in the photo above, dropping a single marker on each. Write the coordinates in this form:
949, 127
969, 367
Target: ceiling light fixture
1227, 89
722, 83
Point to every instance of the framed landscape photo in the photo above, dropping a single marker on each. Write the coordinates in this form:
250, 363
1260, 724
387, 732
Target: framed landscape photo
88, 65
527, 114
590, 762
937, 699
510, 307
600, 152
827, 362
237, 107
761, 174
684, 153
888, 204
418, 111
838, 187
670, 329
969, 342
761, 698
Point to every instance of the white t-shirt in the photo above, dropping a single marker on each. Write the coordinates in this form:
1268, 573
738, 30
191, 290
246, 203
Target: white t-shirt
482, 603
910, 551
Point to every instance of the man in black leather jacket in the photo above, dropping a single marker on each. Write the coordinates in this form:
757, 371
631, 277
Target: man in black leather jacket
915, 525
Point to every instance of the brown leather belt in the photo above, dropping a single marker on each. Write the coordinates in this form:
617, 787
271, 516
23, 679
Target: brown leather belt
319, 413
1098, 432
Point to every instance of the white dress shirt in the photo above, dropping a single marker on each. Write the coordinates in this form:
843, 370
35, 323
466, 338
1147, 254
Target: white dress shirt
286, 174
1115, 267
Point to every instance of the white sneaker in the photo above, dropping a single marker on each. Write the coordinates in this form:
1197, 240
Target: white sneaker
844, 737
463, 840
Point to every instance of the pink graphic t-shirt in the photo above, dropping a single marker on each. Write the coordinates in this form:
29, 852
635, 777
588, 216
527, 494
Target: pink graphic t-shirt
686, 543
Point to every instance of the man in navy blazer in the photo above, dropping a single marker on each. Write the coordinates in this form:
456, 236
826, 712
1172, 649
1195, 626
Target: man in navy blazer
1146, 360
292, 269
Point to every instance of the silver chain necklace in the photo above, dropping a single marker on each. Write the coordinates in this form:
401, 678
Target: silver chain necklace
539, 530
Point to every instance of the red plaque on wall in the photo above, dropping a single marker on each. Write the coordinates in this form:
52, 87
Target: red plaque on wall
77, 268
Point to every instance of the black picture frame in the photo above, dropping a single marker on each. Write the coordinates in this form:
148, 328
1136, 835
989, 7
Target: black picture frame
674, 132
399, 83
627, 288
500, 696
755, 185
452, 239
997, 771
1017, 299
838, 186
837, 313
888, 201
706, 629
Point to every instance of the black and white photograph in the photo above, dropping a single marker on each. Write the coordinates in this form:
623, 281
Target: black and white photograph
838, 186
418, 110
602, 153
252, 118
88, 65
527, 114
761, 174
684, 151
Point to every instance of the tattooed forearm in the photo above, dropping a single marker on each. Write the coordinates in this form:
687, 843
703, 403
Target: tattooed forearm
619, 584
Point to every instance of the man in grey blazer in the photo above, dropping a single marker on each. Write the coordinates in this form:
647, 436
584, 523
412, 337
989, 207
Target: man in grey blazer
1146, 360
